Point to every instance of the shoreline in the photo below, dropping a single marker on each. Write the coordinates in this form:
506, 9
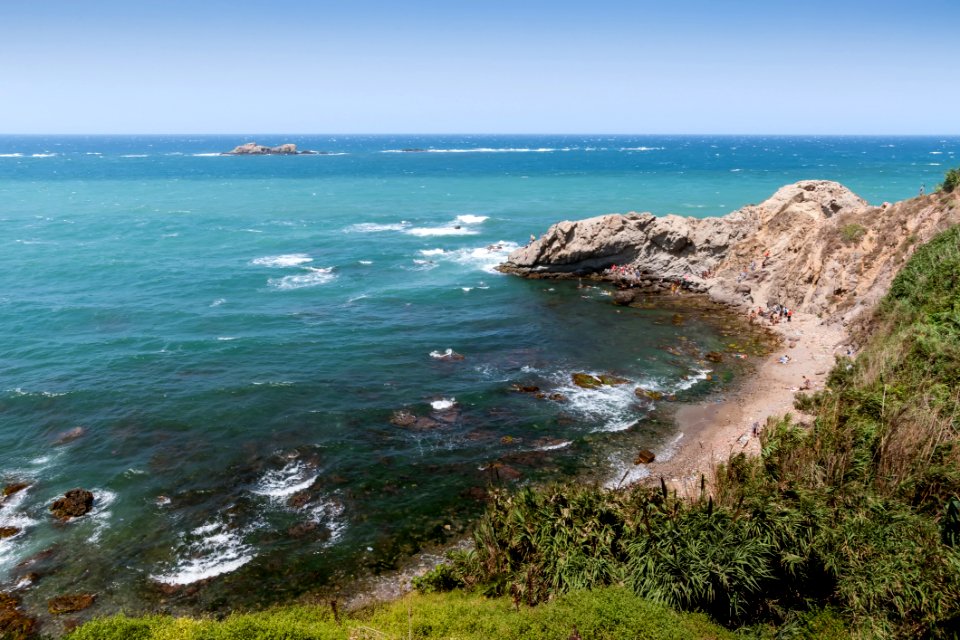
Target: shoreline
714, 429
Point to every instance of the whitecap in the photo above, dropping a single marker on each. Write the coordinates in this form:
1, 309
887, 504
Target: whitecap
206, 155
432, 252
281, 483
610, 407
365, 262
42, 155
474, 150
135, 155
443, 404
641, 148
468, 218
218, 302
226, 338
936, 153
312, 278
285, 260
374, 227
466, 289
441, 354
456, 230
485, 258
208, 551
11, 155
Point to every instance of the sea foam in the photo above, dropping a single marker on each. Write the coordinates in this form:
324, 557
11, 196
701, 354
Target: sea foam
208, 551
311, 278
286, 260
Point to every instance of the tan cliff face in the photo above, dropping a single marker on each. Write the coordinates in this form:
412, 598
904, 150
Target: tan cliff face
813, 246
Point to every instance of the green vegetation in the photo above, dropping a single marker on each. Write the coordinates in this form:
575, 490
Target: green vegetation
852, 232
606, 614
951, 180
847, 525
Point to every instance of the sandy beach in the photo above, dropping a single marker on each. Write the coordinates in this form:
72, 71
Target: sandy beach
718, 427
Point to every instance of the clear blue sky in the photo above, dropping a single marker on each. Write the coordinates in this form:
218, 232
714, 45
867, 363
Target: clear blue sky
491, 66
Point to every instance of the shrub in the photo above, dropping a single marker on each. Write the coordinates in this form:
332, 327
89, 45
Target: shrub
852, 233
951, 180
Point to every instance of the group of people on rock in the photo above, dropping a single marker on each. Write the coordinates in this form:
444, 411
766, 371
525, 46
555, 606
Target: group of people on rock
774, 314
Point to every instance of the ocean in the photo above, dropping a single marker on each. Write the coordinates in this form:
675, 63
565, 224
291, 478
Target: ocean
219, 348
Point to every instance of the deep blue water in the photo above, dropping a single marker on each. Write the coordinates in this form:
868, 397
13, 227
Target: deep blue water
233, 334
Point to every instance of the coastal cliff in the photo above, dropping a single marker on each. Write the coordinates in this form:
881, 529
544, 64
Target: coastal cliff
813, 246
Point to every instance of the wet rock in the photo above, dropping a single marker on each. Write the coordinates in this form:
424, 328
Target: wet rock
302, 529
649, 394
586, 381
70, 603
645, 457
448, 416
9, 532
624, 297
450, 356
14, 487
612, 381
299, 500
425, 424
70, 435
254, 149
73, 504
714, 356
558, 397
14, 623
403, 418
677, 320
525, 388
504, 473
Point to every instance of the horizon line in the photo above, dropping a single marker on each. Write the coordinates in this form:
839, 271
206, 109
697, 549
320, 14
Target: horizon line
467, 133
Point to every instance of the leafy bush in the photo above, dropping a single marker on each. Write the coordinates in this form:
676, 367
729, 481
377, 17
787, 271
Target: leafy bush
852, 232
951, 180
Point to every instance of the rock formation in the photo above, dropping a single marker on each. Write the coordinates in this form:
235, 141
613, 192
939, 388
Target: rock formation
254, 149
73, 504
813, 246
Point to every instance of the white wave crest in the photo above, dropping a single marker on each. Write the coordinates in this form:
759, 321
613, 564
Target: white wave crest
206, 155
441, 354
312, 278
474, 150
374, 227
286, 260
42, 155
641, 148
468, 218
443, 404
135, 155
208, 551
485, 258
11, 155
280, 483
432, 252
454, 230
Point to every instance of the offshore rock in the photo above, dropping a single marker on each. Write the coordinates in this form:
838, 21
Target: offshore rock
70, 603
8, 532
813, 246
73, 504
645, 457
254, 149
586, 381
14, 487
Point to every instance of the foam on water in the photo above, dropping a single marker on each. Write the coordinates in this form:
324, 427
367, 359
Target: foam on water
375, 227
285, 260
453, 230
443, 404
281, 483
206, 552
468, 218
12, 516
432, 252
11, 155
485, 258
311, 278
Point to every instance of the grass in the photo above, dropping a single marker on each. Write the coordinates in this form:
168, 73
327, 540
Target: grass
612, 613
852, 233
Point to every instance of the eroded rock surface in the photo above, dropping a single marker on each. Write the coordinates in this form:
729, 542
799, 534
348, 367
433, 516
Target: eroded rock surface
254, 149
814, 246
73, 504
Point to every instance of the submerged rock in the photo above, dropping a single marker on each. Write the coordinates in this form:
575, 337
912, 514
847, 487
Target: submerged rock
525, 388
625, 297
14, 623
73, 504
70, 603
645, 456
403, 418
9, 532
611, 380
649, 394
70, 435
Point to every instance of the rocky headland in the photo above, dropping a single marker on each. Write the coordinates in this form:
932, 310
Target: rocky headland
813, 246
254, 149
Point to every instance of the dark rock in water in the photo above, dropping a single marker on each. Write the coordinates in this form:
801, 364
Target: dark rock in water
425, 424
502, 472
14, 623
70, 436
9, 532
70, 603
254, 149
14, 487
73, 504
525, 388
449, 356
299, 500
640, 392
403, 418
625, 297
448, 416
612, 381
586, 381
558, 397
714, 356
302, 529
645, 457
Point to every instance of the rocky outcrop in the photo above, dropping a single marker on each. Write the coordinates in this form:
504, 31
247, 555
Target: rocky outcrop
254, 149
73, 504
813, 246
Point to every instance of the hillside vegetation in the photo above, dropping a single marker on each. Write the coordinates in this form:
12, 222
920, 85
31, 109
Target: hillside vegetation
851, 517
846, 525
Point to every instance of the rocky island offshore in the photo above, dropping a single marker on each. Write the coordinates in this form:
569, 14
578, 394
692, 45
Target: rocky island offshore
254, 149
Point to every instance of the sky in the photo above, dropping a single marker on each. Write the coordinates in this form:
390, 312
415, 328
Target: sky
464, 66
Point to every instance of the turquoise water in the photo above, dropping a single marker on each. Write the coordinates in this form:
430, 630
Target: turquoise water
233, 334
